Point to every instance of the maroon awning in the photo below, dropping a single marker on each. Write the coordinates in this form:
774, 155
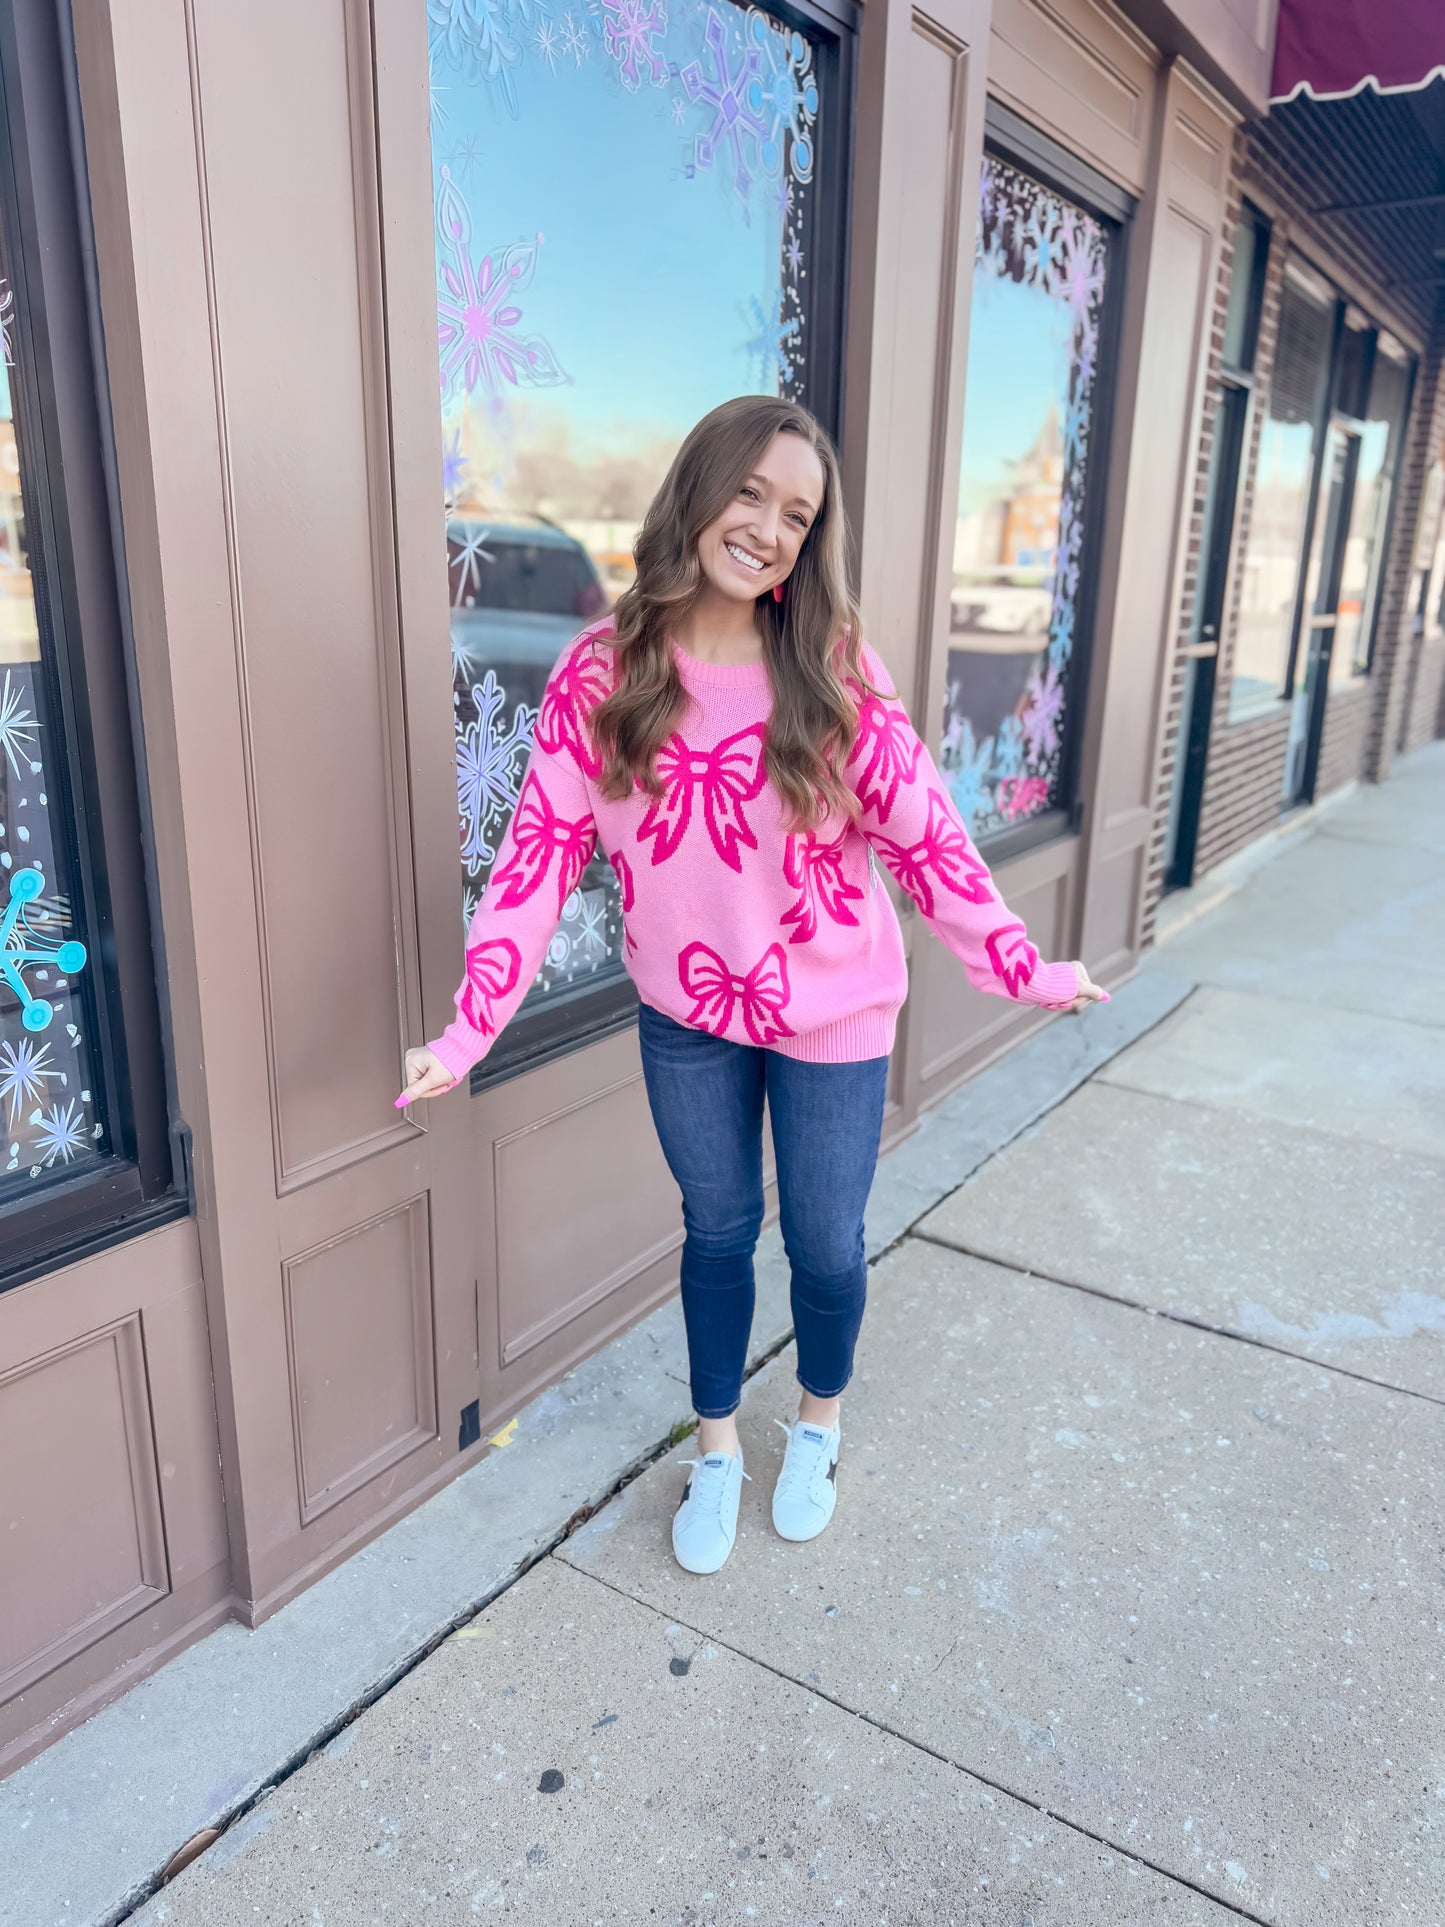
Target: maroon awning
1330, 48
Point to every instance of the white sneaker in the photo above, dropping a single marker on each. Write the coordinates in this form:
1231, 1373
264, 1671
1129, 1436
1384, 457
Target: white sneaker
806, 1492
706, 1522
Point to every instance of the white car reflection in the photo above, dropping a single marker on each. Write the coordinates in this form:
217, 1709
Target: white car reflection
1004, 607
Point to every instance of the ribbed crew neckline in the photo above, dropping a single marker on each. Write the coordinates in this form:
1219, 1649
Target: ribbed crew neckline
720, 675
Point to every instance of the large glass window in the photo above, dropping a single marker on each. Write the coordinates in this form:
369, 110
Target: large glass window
1284, 471
84, 1152
1039, 286
1364, 541
633, 222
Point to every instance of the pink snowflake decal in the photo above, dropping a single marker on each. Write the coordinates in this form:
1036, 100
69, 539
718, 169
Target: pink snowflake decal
1041, 717
477, 313
627, 33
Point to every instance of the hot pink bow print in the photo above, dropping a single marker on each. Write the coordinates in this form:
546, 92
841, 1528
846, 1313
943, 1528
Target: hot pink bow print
944, 852
492, 970
761, 995
728, 776
573, 692
889, 752
1013, 957
816, 868
537, 831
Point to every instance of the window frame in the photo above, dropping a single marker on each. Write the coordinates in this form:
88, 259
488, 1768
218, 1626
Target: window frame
1021, 145
572, 1019
72, 501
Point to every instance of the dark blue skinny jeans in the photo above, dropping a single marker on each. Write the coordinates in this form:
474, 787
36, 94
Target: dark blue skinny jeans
707, 1103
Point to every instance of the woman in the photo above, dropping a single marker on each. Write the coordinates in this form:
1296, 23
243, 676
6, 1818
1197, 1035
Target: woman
742, 757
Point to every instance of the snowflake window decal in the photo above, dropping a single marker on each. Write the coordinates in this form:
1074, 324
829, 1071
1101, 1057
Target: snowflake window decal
477, 311
489, 770
1035, 238
21, 945
627, 31
735, 126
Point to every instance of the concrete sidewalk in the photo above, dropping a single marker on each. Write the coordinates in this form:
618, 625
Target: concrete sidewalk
1131, 1609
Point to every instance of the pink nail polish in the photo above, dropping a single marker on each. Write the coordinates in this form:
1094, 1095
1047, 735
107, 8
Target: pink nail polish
401, 1102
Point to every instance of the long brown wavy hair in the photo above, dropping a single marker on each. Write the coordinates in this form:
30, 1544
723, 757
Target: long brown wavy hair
811, 639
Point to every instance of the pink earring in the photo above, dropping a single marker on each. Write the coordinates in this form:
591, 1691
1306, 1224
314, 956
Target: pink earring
777, 592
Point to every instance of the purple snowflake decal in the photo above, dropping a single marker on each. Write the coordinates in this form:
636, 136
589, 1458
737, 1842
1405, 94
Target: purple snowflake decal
735, 125
627, 31
453, 466
477, 314
1045, 702
489, 770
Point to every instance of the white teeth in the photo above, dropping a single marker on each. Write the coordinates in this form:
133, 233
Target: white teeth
741, 555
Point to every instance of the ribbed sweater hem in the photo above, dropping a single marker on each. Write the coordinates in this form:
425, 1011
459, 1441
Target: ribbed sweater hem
854, 1039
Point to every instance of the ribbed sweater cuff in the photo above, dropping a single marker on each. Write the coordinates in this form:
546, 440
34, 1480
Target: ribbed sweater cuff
457, 1059
1056, 983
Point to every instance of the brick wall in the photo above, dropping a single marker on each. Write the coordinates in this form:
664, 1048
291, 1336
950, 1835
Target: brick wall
1297, 160
1427, 713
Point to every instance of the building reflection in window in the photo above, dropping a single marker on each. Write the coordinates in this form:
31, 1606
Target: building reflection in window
624, 223
1364, 555
1273, 555
1033, 357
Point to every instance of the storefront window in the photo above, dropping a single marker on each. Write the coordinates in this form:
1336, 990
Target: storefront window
1364, 548
1270, 573
626, 235
86, 1153
1018, 563
51, 1119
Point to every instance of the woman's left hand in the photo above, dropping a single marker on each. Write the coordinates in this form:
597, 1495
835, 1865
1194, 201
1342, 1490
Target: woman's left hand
1089, 991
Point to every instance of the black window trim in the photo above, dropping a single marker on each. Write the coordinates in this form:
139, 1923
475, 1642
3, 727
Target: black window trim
59, 379
572, 1019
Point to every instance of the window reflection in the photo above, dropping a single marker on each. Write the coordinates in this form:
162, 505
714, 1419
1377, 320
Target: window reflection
1369, 513
50, 1121
624, 226
1032, 362
1270, 572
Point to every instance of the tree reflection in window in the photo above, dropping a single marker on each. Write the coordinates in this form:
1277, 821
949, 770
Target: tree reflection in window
1033, 354
624, 226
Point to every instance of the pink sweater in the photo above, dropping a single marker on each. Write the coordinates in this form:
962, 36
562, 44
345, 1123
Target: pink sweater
732, 924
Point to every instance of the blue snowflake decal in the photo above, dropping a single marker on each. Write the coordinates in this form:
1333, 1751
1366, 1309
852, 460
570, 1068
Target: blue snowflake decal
1008, 752
21, 944
770, 344
785, 98
966, 766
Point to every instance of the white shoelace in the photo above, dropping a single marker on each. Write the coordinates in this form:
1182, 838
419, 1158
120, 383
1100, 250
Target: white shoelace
708, 1498
801, 1460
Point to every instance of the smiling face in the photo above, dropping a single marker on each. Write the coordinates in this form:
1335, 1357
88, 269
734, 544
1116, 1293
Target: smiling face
753, 544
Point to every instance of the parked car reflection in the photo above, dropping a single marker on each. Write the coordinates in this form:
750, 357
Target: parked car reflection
520, 589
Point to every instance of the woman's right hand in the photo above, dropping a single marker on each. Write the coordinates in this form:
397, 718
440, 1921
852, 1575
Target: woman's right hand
426, 1076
